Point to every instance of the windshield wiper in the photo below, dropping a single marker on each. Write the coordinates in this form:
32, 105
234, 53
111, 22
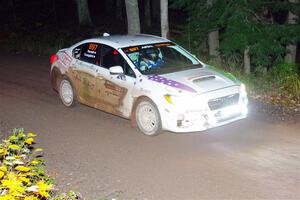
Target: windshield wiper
193, 66
166, 70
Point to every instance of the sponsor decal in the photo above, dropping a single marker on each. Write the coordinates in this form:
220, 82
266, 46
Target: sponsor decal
147, 46
137, 48
89, 55
66, 59
121, 77
171, 83
93, 47
163, 44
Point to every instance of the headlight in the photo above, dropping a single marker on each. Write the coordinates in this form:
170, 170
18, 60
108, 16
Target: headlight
243, 91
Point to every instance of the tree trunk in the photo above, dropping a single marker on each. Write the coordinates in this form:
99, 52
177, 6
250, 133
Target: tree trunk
109, 7
54, 12
83, 13
148, 13
291, 48
12, 7
119, 10
164, 19
133, 19
155, 11
213, 41
291, 53
213, 45
247, 64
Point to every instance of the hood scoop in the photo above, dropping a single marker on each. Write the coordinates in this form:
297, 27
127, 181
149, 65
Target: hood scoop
204, 78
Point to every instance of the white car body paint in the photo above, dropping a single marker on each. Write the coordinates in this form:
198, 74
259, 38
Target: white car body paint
192, 91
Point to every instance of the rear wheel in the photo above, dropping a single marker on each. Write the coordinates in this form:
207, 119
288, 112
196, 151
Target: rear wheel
148, 118
66, 93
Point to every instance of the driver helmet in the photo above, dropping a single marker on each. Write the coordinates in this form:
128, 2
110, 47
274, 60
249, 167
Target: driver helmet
151, 54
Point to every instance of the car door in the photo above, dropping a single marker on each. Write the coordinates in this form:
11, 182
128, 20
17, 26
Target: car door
115, 89
84, 71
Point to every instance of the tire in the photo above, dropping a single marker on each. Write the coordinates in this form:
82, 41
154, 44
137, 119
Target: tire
148, 118
66, 93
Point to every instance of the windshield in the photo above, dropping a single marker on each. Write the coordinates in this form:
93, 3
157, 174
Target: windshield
161, 58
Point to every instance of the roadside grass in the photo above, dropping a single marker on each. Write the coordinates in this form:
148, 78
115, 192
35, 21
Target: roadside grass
274, 88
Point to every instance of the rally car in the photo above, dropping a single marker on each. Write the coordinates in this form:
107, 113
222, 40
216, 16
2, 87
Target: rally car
150, 80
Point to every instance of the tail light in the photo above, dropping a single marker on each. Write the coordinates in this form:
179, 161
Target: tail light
53, 58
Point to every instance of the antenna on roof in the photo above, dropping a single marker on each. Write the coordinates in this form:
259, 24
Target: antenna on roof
106, 34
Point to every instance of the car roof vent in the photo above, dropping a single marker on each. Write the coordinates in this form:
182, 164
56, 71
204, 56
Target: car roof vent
106, 34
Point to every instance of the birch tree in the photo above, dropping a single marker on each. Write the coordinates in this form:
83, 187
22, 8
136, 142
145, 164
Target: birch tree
133, 19
164, 19
83, 12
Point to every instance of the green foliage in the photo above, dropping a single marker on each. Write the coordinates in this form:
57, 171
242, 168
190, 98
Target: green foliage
22, 173
249, 24
242, 24
38, 43
286, 80
44, 42
279, 86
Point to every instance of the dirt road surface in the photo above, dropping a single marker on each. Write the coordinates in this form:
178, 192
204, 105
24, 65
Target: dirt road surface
100, 155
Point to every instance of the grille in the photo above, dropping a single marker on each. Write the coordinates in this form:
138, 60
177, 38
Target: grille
221, 102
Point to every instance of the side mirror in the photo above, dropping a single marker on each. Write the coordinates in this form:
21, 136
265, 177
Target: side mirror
116, 70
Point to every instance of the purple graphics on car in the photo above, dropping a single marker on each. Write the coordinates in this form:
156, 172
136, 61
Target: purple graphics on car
171, 83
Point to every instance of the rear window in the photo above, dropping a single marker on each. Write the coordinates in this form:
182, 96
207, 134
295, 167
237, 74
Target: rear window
88, 52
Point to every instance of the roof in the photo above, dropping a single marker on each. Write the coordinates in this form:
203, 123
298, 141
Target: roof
121, 41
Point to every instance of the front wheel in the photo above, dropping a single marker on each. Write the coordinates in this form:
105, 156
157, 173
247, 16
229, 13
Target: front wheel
66, 93
148, 118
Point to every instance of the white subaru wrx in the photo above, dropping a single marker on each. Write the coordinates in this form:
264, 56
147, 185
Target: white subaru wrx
150, 80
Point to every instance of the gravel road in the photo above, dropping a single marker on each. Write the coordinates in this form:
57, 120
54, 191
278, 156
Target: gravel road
100, 155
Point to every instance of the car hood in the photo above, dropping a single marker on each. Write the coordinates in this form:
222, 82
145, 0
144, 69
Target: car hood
200, 80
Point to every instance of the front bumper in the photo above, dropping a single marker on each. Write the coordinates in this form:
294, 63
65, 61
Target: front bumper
180, 120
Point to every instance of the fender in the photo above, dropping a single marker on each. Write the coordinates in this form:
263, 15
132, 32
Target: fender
56, 76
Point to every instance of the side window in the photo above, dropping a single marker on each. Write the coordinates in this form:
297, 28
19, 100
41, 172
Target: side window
90, 53
128, 71
111, 57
